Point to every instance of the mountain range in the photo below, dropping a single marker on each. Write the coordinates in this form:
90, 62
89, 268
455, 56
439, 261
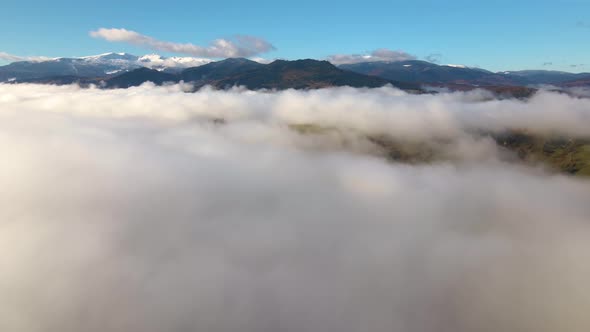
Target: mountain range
123, 70
280, 74
429, 73
102, 65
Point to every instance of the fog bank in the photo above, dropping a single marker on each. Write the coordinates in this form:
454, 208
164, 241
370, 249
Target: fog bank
150, 209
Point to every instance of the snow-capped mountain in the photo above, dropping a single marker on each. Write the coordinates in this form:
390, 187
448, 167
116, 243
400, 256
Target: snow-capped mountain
95, 66
155, 61
456, 66
152, 61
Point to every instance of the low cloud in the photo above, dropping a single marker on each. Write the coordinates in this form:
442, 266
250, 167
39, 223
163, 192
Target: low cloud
132, 210
239, 46
381, 54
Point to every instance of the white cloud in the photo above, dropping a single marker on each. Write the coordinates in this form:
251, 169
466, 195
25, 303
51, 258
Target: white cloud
130, 210
13, 58
262, 60
240, 46
381, 54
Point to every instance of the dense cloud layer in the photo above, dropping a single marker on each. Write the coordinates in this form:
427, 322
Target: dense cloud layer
132, 210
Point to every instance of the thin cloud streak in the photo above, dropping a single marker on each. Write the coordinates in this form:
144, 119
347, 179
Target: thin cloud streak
14, 58
434, 57
239, 46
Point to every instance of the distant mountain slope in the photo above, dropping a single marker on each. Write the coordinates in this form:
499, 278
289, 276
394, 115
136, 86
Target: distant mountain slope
547, 76
416, 71
125, 70
219, 70
139, 76
279, 74
61, 80
300, 74
58, 67
583, 82
423, 72
102, 65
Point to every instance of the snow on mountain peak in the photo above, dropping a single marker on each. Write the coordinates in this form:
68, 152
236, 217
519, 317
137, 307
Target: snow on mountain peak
456, 66
113, 62
157, 61
150, 57
105, 64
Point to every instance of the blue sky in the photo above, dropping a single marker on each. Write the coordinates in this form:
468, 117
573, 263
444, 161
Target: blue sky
497, 35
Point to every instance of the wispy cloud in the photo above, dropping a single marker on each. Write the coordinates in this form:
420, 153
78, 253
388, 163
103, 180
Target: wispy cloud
434, 57
13, 58
382, 54
582, 24
239, 46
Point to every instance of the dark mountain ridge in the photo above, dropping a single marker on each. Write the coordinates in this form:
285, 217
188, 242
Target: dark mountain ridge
303, 74
139, 76
280, 74
416, 71
219, 70
85, 67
